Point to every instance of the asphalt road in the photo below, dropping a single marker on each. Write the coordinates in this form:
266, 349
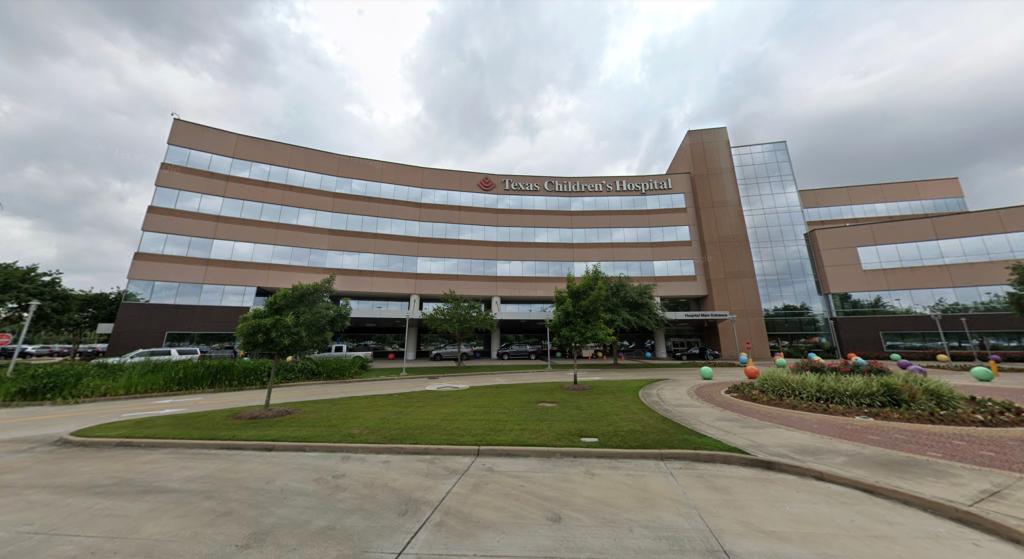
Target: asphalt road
65, 501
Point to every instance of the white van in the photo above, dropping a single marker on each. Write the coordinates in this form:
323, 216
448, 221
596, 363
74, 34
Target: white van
155, 354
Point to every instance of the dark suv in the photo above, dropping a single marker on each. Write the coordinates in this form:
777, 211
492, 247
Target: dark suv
699, 353
519, 351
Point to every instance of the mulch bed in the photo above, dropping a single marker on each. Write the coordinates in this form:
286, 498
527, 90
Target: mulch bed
266, 414
978, 412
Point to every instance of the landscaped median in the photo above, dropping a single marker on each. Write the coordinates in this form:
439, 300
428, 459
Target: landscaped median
896, 396
529, 415
75, 381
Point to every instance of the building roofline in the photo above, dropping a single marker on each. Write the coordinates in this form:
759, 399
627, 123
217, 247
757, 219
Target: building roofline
880, 183
333, 153
915, 218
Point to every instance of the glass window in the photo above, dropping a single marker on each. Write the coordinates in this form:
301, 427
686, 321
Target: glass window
231, 207
164, 197
259, 171
211, 295
152, 242
210, 204
188, 201
199, 160
221, 250
974, 248
188, 293
295, 177
242, 252
289, 215
240, 168
262, 253
271, 213
176, 155
200, 247
176, 245
278, 174
234, 296
164, 292
220, 164
139, 290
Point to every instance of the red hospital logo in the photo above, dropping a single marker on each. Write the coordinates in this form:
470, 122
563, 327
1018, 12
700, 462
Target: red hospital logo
486, 184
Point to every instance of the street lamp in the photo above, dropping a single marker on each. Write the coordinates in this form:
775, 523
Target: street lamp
969, 340
937, 317
405, 349
21, 338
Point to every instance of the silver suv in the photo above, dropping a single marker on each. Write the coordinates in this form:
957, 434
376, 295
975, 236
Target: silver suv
156, 354
452, 351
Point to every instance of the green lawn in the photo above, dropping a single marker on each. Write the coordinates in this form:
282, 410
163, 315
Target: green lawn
389, 370
506, 415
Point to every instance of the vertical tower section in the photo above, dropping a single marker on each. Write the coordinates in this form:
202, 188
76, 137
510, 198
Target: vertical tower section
728, 264
775, 223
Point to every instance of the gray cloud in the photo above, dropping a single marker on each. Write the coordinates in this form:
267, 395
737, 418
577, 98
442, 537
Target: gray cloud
864, 93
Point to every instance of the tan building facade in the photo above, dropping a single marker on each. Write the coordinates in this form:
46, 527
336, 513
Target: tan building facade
234, 218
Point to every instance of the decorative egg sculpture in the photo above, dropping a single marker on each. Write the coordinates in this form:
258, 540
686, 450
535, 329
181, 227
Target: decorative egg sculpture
851, 356
859, 362
942, 358
744, 359
917, 370
995, 358
812, 356
895, 357
780, 362
647, 355
982, 374
752, 372
903, 364
707, 373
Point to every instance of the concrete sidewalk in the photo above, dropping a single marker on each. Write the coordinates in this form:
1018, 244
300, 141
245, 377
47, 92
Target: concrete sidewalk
997, 494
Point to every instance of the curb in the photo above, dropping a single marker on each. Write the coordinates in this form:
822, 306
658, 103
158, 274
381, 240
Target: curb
944, 509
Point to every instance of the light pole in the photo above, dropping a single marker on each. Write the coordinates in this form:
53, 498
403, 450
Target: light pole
835, 338
937, 317
969, 340
547, 331
21, 338
405, 349
735, 338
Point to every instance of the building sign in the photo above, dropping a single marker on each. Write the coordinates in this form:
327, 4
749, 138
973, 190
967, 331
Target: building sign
701, 315
639, 186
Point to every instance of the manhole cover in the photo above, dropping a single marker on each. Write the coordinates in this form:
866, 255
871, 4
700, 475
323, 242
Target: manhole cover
447, 387
588, 439
547, 404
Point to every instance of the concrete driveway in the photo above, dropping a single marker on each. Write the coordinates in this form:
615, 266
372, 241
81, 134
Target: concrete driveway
64, 501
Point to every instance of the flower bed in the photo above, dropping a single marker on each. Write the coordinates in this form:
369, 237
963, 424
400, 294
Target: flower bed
871, 368
893, 397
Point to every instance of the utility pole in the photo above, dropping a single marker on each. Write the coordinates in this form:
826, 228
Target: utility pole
21, 339
405, 350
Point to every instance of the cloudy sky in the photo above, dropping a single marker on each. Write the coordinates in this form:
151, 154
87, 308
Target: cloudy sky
863, 93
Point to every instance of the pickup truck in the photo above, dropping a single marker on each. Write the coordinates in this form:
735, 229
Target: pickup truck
340, 351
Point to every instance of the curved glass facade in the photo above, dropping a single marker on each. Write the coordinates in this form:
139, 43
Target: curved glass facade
960, 250
859, 211
204, 161
275, 213
202, 247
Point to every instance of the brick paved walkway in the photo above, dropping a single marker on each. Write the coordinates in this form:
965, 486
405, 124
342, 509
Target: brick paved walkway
1001, 449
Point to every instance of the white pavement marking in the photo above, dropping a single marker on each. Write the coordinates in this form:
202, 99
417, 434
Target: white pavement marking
161, 412
171, 401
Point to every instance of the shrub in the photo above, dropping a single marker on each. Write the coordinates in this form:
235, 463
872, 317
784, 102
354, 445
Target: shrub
872, 368
73, 380
897, 390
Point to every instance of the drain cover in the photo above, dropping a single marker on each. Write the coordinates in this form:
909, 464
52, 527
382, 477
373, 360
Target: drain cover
446, 387
588, 439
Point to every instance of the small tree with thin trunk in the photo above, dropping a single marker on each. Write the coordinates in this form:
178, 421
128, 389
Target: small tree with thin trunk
83, 310
630, 306
458, 318
1016, 297
579, 316
296, 320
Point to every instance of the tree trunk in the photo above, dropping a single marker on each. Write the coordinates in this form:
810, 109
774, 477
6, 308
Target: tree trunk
575, 380
615, 353
458, 352
74, 347
270, 382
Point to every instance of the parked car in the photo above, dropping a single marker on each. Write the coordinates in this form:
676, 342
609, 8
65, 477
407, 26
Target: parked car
61, 351
519, 351
340, 351
697, 353
452, 351
91, 351
37, 351
7, 351
155, 354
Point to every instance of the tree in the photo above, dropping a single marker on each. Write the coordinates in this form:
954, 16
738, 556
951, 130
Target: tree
83, 310
629, 307
458, 318
21, 284
295, 320
1016, 297
580, 314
